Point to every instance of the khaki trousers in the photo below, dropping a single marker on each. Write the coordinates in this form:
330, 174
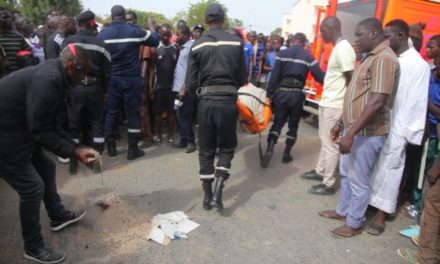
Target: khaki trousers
429, 240
329, 154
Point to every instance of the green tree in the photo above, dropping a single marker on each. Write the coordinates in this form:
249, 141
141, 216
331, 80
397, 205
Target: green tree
196, 12
37, 9
277, 32
235, 23
181, 15
143, 16
8, 4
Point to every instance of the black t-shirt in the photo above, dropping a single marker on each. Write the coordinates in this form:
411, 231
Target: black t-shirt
166, 60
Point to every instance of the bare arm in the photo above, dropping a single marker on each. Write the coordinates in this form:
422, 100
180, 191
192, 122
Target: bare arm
348, 75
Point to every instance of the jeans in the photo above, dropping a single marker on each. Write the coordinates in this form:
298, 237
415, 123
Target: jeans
33, 180
184, 117
217, 129
355, 169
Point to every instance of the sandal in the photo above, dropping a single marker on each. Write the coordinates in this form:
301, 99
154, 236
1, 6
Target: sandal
408, 255
375, 229
170, 141
157, 141
415, 240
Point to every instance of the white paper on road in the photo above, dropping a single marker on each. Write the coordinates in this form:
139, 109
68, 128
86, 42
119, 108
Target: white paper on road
166, 227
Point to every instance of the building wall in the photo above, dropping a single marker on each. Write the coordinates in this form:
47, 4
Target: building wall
302, 18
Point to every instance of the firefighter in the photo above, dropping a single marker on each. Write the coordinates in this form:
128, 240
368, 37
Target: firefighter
125, 86
216, 69
285, 89
86, 100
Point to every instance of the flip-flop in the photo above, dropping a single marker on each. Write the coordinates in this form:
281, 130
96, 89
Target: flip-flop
415, 240
375, 229
408, 255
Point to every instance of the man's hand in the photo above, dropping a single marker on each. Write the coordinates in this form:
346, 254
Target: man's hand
181, 94
346, 143
334, 133
86, 155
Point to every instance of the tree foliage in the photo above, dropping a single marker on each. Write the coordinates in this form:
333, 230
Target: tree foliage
8, 4
196, 15
277, 32
37, 9
142, 17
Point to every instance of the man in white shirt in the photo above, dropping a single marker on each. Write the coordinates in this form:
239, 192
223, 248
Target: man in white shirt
339, 71
408, 118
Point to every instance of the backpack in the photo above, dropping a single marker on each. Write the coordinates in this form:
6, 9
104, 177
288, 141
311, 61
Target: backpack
254, 108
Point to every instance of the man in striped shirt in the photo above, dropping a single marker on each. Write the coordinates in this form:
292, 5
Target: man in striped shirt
366, 124
11, 42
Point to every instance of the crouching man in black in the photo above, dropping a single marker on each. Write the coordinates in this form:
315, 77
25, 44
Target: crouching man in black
29, 102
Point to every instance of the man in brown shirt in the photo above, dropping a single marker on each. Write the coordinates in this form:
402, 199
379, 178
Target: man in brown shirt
366, 124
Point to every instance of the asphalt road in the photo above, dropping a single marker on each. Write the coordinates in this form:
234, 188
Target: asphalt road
269, 217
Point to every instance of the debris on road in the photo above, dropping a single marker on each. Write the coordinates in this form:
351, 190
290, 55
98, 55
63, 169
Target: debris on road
171, 226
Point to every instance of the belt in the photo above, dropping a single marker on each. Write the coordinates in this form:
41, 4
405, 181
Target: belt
89, 80
287, 89
217, 90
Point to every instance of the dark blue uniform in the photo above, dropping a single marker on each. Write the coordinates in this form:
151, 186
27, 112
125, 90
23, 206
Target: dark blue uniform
285, 88
125, 86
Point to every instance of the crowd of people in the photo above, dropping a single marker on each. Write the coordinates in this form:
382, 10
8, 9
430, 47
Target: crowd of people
68, 85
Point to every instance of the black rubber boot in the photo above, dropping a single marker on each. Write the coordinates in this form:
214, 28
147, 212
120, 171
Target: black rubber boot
264, 162
134, 151
73, 166
286, 156
111, 147
98, 147
217, 196
207, 188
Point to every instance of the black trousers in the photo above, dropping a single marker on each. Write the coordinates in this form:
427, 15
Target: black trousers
287, 106
86, 109
217, 129
33, 180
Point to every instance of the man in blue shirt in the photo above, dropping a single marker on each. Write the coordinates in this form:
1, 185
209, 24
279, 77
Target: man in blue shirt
125, 87
258, 54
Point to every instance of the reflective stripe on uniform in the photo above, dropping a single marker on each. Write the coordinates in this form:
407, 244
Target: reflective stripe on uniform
297, 61
206, 177
216, 44
222, 168
98, 140
125, 40
94, 47
130, 130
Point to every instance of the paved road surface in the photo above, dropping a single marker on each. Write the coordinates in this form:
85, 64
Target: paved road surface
269, 216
